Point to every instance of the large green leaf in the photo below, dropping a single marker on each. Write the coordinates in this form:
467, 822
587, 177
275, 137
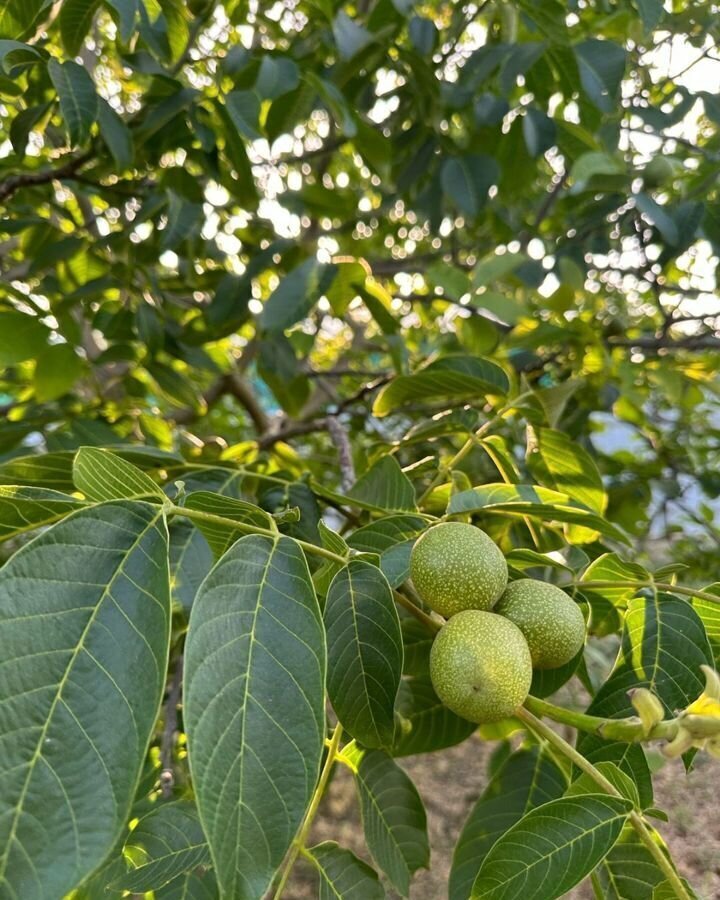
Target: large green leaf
602, 67
254, 707
79, 102
452, 377
101, 475
384, 486
467, 179
663, 646
19, 18
551, 849
343, 876
165, 844
536, 502
709, 613
526, 779
569, 467
629, 872
198, 885
393, 818
609, 603
85, 617
365, 653
296, 295
21, 337
426, 724
75, 19
26, 508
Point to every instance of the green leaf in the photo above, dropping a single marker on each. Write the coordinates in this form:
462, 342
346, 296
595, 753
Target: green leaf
539, 131
527, 778
218, 535
651, 13
101, 475
365, 653
343, 876
494, 267
552, 848
570, 468
277, 75
116, 134
350, 36
165, 844
393, 818
594, 163
602, 67
467, 180
610, 602
79, 102
254, 707
21, 337
663, 646
15, 54
198, 885
56, 371
659, 217
26, 508
629, 872
454, 377
75, 19
19, 18
243, 107
583, 783
709, 613
392, 537
530, 500
296, 295
125, 14
384, 485
87, 689
425, 723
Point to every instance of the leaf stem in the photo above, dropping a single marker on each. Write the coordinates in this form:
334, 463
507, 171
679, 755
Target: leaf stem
629, 729
662, 585
299, 842
313, 549
469, 444
540, 729
213, 519
421, 615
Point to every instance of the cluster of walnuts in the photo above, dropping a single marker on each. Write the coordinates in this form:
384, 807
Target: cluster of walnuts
481, 662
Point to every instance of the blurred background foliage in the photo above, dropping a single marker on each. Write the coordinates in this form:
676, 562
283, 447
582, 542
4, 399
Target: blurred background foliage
227, 226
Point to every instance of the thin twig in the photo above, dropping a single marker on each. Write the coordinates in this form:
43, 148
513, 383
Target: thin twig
167, 744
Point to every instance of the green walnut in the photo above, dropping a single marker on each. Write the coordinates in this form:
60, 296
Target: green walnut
455, 566
553, 624
480, 666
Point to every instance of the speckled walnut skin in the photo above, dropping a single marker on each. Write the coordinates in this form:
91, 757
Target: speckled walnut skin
552, 622
455, 566
480, 666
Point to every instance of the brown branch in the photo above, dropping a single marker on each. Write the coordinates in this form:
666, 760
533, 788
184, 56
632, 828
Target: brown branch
14, 183
167, 743
234, 385
339, 437
665, 342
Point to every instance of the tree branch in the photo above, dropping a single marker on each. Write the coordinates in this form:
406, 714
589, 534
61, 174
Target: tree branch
14, 183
